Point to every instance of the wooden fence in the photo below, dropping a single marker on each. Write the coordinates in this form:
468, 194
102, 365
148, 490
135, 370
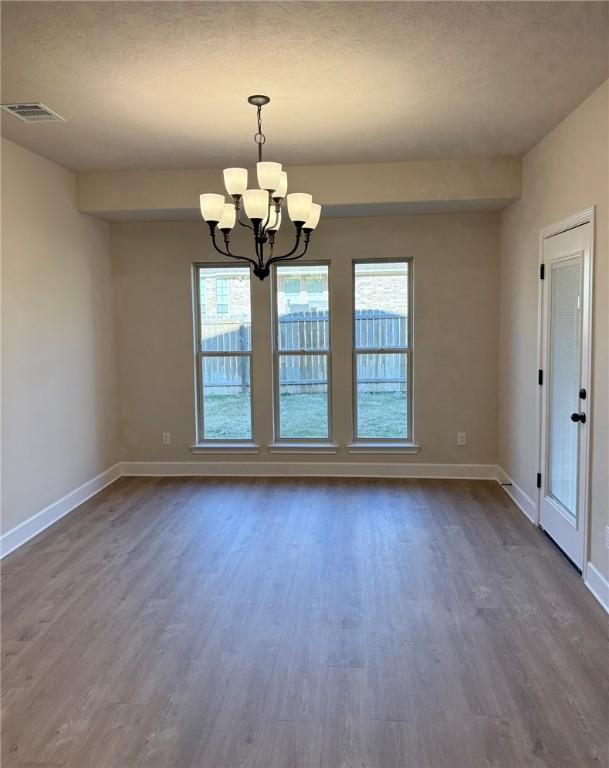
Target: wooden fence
308, 331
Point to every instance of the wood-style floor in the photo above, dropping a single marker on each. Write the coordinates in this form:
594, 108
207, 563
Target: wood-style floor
300, 623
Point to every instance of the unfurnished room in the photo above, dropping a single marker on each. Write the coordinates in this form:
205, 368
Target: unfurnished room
305, 384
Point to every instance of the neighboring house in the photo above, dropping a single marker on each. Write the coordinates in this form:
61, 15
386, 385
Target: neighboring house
225, 296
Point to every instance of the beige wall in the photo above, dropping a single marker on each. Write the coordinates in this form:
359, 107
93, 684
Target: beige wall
563, 174
473, 183
456, 326
59, 426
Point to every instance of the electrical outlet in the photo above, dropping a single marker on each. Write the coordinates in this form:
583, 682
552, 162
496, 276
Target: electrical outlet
166, 438
461, 438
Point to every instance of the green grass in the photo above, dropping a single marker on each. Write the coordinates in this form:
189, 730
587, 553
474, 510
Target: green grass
380, 414
227, 416
304, 415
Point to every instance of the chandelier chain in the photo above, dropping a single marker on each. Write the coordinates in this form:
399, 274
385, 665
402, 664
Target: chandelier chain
259, 137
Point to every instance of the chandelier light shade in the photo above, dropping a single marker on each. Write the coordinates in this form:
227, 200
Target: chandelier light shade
299, 206
282, 188
263, 208
235, 181
275, 223
269, 175
256, 204
227, 220
212, 207
313, 219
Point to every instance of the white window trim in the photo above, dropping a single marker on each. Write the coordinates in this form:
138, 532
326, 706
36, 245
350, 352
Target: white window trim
292, 444
202, 444
303, 447
385, 444
219, 446
366, 446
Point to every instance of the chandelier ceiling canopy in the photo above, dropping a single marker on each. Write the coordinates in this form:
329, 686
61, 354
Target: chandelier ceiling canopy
262, 207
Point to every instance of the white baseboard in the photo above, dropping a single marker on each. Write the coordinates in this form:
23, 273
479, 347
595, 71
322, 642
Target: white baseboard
308, 469
593, 579
14, 538
49, 515
11, 540
522, 500
598, 585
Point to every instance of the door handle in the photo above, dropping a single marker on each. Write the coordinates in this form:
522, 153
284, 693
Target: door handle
578, 417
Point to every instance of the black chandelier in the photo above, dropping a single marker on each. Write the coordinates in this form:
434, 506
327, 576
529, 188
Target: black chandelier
262, 208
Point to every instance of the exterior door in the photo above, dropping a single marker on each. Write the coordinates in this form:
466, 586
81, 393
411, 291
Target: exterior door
565, 400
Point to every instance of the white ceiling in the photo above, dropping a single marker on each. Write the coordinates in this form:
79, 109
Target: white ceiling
164, 84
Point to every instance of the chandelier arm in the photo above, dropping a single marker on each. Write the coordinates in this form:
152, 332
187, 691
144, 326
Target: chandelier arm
243, 223
272, 235
261, 253
276, 212
236, 256
294, 249
258, 243
264, 225
227, 252
273, 208
294, 257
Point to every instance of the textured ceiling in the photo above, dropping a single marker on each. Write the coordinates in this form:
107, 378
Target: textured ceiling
163, 84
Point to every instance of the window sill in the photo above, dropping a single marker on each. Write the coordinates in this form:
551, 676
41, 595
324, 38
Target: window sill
220, 447
303, 448
372, 447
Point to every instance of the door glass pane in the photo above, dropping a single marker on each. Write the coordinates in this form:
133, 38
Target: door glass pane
226, 398
382, 395
303, 396
381, 305
224, 301
302, 307
563, 382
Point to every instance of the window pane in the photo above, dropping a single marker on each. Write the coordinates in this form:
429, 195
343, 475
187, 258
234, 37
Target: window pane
381, 305
302, 313
315, 285
381, 390
291, 287
224, 300
202, 295
303, 396
226, 398
565, 330
222, 296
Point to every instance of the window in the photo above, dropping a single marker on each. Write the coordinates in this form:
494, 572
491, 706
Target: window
202, 295
302, 356
316, 292
315, 285
224, 352
301, 349
291, 288
382, 351
222, 296
289, 294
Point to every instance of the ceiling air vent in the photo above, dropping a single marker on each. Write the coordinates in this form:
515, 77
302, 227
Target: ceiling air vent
32, 113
